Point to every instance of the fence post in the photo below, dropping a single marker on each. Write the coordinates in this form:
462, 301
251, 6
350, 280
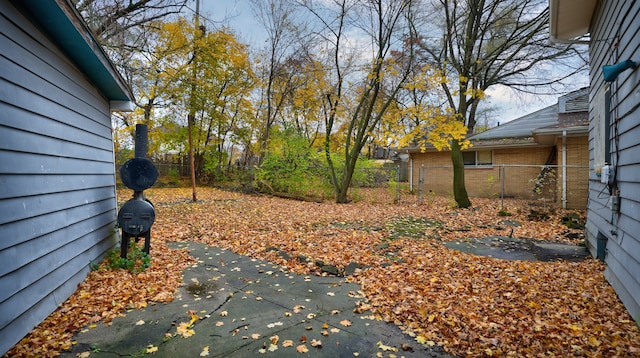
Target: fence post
421, 185
502, 190
397, 183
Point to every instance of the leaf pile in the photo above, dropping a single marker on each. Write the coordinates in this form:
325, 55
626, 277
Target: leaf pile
471, 305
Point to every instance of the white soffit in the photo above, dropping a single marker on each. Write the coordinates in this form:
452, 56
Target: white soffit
570, 18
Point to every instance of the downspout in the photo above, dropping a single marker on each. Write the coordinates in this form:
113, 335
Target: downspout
564, 169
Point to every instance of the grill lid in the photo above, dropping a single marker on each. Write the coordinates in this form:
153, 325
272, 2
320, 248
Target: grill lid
136, 216
138, 174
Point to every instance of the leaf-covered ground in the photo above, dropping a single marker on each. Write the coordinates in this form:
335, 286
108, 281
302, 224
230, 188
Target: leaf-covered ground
471, 305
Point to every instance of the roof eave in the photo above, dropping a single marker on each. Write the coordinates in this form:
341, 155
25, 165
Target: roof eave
517, 143
60, 20
569, 20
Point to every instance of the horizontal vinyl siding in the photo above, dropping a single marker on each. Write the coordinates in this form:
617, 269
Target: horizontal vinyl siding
57, 183
51, 252
617, 22
33, 163
22, 185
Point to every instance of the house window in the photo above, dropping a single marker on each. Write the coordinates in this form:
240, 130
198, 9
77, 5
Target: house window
476, 158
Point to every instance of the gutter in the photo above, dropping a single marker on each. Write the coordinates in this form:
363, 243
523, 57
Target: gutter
555, 40
575, 130
560, 11
479, 145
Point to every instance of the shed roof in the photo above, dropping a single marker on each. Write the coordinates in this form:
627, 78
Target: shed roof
63, 24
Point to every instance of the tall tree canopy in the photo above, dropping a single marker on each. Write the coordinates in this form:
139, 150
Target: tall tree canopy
339, 74
484, 43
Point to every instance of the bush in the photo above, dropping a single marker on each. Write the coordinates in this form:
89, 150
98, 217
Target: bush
136, 261
367, 173
291, 167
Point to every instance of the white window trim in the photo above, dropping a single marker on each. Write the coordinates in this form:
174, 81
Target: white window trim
476, 165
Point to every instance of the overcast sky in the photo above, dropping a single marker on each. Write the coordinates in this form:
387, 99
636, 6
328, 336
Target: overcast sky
237, 15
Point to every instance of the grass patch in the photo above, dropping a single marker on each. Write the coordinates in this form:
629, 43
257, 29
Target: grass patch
410, 227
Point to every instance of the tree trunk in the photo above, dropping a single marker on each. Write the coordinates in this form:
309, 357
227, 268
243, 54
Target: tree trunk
192, 167
351, 160
459, 190
341, 197
347, 174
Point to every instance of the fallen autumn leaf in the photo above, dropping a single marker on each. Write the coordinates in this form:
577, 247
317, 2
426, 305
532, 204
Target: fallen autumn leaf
525, 308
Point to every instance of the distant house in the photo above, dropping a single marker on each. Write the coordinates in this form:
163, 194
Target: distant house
57, 182
542, 154
613, 214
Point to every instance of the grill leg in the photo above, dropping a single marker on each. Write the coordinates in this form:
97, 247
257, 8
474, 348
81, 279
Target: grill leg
147, 241
124, 245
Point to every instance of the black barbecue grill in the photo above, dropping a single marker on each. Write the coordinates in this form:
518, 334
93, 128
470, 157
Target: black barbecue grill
137, 215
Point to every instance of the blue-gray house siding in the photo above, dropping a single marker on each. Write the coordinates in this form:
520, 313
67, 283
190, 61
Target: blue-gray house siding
614, 38
57, 182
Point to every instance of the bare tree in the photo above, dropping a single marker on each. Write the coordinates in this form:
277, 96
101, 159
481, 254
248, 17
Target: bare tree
276, 16
484, 43
384, 26
127, 30
113, 18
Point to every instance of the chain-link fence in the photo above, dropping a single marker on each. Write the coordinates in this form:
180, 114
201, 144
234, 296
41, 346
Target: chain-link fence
560, 186
552, 185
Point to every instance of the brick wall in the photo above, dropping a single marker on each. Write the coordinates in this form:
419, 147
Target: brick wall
520, 167
577, 171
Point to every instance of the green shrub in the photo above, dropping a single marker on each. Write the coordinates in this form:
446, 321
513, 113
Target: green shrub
135, 262
291, 166
367, 173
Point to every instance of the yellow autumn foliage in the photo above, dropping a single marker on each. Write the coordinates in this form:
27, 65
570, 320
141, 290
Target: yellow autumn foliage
428, 122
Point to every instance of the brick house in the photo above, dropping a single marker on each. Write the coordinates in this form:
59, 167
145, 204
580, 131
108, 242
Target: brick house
542, 155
